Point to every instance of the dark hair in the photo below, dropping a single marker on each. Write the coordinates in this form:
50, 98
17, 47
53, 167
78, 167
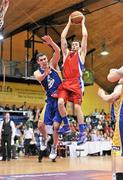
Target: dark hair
76, 40
39, 55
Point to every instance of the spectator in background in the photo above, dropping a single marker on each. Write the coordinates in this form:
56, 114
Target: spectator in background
17, 140
108, 117
88, 134
100, 126
101, 136
95, 113
95, 135
33, 62
34, 111
24, 106
1, 107
14, 108
7, 107
88, 119
7, 134
94, 121
17, 73
102, 112
106, 128
28, 137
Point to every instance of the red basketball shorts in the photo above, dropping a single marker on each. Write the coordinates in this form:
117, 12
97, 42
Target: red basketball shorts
70, 90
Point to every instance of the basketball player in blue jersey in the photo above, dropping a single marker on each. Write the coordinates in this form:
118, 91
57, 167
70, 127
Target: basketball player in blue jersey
49, 78
116, 98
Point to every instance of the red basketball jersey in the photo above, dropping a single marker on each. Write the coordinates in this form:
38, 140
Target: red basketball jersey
73, 66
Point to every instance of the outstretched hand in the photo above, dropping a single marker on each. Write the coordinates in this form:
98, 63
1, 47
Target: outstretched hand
47, 39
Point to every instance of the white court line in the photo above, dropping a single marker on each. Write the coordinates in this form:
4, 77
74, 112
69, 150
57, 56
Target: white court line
34, 175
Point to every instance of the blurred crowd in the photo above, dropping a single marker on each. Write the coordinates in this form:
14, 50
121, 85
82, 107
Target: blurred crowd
99, 126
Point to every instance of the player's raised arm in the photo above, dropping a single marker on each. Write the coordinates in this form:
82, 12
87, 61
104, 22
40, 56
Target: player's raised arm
56, 55
64, 45
83, 50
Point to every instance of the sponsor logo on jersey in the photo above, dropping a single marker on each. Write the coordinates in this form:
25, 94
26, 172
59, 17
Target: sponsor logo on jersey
50, 81
116, 148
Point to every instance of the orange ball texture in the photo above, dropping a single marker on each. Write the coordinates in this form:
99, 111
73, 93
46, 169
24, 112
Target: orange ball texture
76, 17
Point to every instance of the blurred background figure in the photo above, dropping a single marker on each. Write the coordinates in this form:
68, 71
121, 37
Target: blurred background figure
7, 134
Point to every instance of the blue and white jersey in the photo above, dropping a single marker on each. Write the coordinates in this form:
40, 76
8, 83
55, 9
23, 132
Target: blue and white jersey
51, 82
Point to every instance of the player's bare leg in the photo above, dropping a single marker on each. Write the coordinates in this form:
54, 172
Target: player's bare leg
63, 113
80, 119
53, 153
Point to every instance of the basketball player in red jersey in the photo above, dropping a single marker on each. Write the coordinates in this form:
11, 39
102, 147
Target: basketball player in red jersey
72, 87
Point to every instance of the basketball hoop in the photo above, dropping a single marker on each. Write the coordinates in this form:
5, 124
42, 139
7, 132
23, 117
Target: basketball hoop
3, 9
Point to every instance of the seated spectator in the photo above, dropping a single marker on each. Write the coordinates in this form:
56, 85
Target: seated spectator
101, 136
17, 72
106, 137
1, 107
111, 136
7, 107
24, 106
28, 137
88, 119
108, 117
103, 112
101, 117
89, 136
100, 126
14, 108
95, 113
106, 128
94, 121
95, 135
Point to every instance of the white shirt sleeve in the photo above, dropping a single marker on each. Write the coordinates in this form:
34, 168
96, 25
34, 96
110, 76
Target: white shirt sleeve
1, 125
13, 128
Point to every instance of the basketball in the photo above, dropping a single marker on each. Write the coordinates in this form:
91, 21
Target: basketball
76, 17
